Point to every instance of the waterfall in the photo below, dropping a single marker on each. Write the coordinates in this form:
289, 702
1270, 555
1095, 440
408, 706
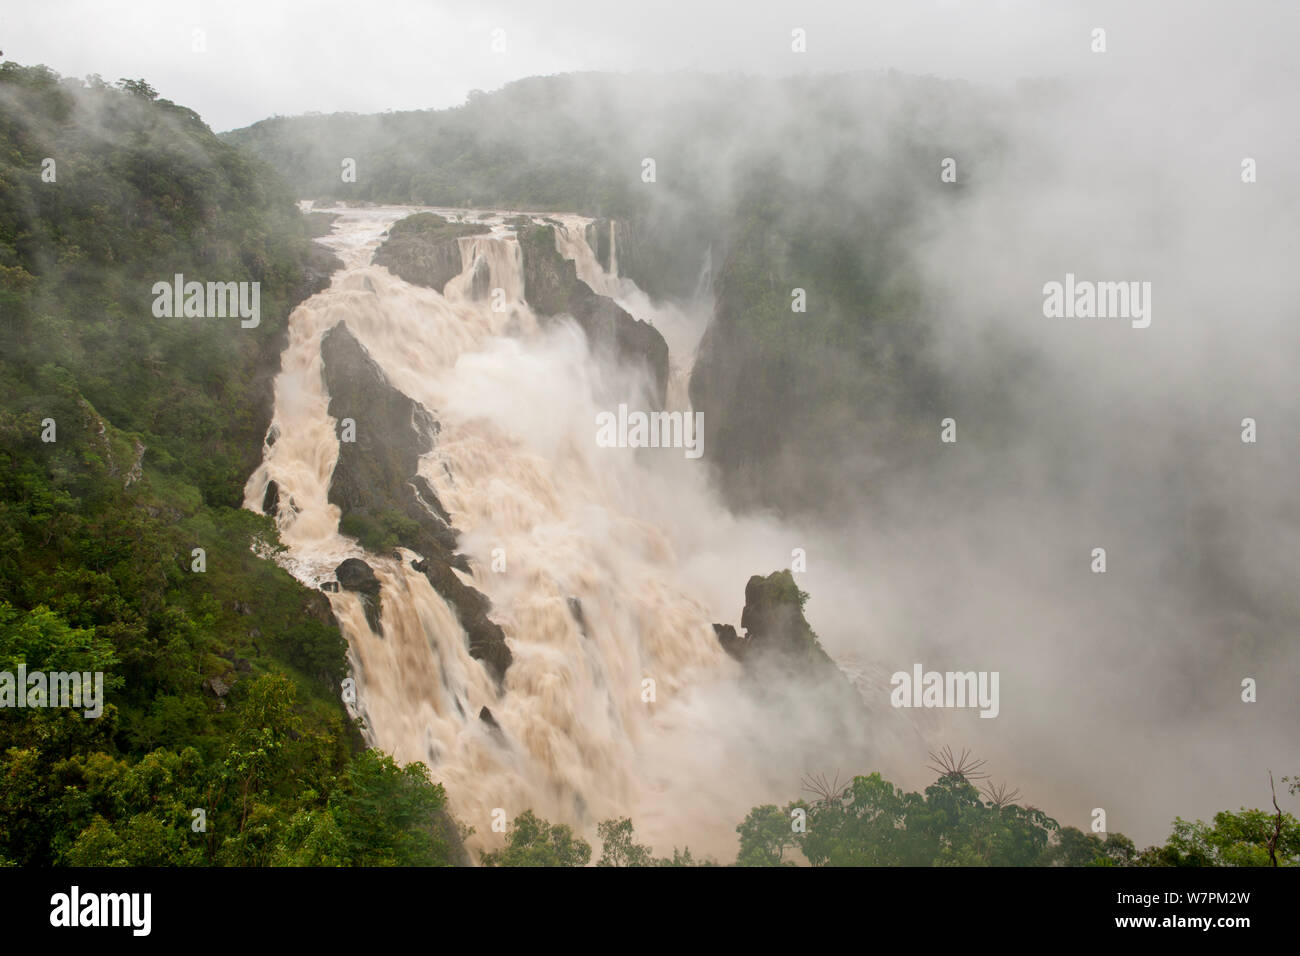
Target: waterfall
488, 262
681, 325
620, 701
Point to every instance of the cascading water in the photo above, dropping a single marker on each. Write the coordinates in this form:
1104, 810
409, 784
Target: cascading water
619, 701
680, 328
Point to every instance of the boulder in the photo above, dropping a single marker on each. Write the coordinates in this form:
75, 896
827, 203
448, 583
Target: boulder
485, 715
423, 249
355, 575
271, 499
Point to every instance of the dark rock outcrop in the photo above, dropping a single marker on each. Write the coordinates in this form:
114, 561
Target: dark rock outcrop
376, 475
423, 249
731, 642
552, 288
487, 642
376, 478
485, 715
216, 686
780, 648
271, 499
355, 575
599, 239
664, 248
316, 606
805, 699
575, 608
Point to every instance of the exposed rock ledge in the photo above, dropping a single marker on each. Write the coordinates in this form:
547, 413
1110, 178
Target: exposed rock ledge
383, 499
779, 646
355, 575
552, 288
423, 249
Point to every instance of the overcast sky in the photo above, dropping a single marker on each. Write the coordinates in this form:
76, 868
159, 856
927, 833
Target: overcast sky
268, 57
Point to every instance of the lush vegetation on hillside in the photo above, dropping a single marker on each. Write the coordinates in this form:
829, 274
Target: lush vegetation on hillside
125, 440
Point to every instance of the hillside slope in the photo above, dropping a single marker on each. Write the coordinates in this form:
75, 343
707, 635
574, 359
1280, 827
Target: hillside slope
125, 440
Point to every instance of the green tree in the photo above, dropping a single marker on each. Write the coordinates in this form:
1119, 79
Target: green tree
765, 836
389, 815
618, 848
531, 841
1233, 839
138, 88
1073, 847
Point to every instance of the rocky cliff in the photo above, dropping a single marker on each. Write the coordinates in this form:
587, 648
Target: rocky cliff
423, 249
383, 498
552, 288
780, 652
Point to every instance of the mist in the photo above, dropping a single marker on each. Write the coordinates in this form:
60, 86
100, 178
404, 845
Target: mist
1120, 690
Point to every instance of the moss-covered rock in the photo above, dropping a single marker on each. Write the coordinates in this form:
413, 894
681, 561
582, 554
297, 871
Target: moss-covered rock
779, 644
423, 249
384, 501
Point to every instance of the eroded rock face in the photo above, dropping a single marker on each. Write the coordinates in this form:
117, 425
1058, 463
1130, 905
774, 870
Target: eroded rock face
598, 238
355, 575
487, 642
731, 642
663, 249
781, 652
271, 499
376, 477
423, 249
487, 717
552, 288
